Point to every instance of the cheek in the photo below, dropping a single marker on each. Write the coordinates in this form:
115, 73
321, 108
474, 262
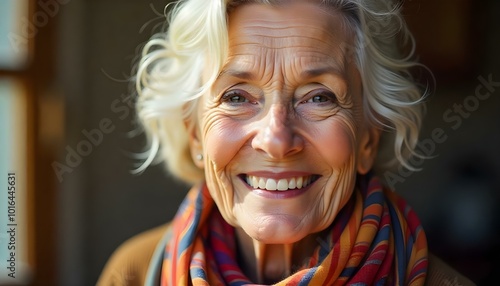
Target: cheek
222, 137
338, 144
337, 148
222, 141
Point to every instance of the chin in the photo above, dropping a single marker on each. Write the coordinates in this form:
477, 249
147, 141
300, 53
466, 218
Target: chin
276, 229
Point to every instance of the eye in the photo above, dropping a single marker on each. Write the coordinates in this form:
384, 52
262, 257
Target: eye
318, 98
321, 96
235, 96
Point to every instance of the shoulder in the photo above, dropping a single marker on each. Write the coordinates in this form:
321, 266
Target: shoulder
440, 273
129, 263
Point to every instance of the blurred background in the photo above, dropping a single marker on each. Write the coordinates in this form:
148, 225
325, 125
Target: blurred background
66, 120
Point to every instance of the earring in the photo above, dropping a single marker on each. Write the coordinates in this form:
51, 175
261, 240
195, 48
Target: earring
199, 157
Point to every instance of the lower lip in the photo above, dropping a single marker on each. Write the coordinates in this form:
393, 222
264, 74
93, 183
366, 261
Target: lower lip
278, 195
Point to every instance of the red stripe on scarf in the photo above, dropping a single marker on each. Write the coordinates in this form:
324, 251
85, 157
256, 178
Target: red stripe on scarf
361, 245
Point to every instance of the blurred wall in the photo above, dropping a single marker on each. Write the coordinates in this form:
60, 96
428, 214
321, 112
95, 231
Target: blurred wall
458, 189
101, 204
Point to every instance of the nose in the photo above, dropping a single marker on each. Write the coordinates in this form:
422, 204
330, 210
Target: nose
276, 134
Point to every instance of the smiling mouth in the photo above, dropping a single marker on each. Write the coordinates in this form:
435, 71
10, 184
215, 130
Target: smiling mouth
280, 185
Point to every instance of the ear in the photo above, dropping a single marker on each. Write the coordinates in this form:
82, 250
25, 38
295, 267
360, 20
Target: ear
195, 145
368, 148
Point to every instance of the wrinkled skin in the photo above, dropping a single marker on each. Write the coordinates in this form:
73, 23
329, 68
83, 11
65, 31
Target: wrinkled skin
287, 104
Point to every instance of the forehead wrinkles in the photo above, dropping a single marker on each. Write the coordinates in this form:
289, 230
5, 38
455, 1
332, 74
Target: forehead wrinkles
257, 59
280, 35
286, 24
267, 64
254, 35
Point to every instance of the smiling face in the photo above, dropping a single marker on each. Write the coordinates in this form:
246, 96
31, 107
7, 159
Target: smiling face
282, 130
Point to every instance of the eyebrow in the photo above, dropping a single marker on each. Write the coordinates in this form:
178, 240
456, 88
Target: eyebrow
314, 72
237, 74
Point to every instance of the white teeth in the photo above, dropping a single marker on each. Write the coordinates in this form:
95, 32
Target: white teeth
278, 185
262, 184
254, 182
283, 185
300, 180
271, 185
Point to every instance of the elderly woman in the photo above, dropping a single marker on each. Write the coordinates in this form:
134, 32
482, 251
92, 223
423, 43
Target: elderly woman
278, 112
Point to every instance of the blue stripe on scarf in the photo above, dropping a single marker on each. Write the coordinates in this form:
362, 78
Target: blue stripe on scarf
399, 244
186, 241
307, 277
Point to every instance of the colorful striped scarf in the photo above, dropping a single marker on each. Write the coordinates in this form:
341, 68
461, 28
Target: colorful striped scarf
375, 240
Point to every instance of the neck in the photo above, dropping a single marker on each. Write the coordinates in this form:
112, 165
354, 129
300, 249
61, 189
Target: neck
270, 263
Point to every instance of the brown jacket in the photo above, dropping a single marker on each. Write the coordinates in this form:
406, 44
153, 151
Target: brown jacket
129, 264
